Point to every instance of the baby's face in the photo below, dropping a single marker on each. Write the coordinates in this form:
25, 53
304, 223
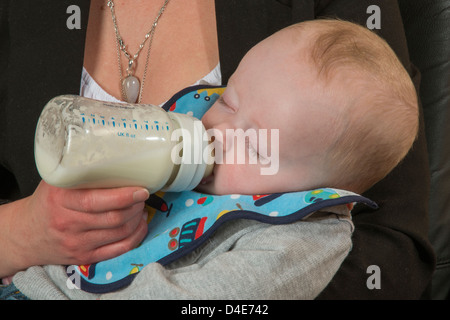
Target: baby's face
272, 103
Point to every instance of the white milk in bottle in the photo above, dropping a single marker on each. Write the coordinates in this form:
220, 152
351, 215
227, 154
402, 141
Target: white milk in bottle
85, 143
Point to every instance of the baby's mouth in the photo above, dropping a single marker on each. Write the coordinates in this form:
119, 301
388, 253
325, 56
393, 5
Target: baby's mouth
208, 179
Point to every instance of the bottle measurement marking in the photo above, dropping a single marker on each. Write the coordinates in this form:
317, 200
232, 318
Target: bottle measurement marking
125, 123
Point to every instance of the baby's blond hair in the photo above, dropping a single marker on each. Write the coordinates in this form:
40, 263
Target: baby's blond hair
379, 122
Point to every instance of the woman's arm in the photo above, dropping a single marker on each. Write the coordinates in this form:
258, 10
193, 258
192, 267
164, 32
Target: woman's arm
61, 226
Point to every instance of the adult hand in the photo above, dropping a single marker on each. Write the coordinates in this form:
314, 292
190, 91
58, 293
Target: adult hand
68, 226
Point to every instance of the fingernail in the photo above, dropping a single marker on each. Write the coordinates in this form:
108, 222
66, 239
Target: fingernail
7, 281
141, 195
145, 215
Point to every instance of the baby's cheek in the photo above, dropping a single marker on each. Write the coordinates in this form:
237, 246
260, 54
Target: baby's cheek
226, 180
241, 179
221, 184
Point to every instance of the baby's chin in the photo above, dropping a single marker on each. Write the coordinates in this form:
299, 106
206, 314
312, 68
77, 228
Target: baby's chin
213, 185
206, 187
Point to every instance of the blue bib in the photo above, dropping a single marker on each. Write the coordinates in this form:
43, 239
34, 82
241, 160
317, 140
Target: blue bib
180, 222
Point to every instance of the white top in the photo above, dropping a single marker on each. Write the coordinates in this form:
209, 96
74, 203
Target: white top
91, 89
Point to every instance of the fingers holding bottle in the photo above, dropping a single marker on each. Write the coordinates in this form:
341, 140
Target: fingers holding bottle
68, 226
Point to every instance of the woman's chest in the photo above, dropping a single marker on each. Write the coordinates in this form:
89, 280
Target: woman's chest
181, 49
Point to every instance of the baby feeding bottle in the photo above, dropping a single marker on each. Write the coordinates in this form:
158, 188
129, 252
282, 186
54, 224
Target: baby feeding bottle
85, 143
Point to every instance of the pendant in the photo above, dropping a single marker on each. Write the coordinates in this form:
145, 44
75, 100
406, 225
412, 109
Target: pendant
131, 87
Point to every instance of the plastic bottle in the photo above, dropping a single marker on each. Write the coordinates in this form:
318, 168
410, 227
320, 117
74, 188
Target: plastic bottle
85, 143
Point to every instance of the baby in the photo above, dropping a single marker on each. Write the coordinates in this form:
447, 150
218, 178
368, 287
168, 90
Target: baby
346, 114
342, 103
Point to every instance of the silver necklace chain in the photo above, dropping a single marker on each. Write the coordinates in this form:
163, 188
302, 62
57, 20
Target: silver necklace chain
121, 47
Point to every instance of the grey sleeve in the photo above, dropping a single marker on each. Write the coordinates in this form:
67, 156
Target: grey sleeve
258, 261
243, 260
